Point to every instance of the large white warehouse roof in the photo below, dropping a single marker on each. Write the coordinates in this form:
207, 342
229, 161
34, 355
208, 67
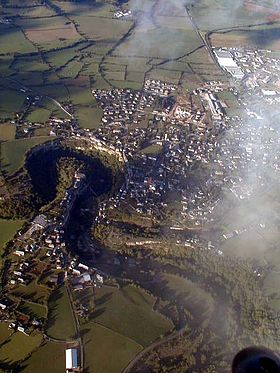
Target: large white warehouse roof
71, 358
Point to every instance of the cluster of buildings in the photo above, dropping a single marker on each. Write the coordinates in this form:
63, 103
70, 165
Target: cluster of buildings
159, 154
228, 63
158, 87
83, 276
57, 127
5, 21
39, 258
186, 146
123, 13
245, 156
231, 150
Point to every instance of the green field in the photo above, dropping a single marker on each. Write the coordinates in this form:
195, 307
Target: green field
106, 351
5, 332
30, 64
30, 12
60, 58
223, 14
71, 70
129, 311
100, 28
13, 152
33, 309
10, 103
18, 347
49, 32
8, 228
56, 91
60, 324
39, 115
89, 117
161, 43
7, 132
151, 149
88, 8
50, 357
34, 292
81, 96
13, 40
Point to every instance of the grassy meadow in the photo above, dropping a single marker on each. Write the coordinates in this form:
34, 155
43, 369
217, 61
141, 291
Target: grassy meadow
32, 292
18, 347
129, 311
7, 132
77, 48
121, 349
13, 152
5, 332
48, 357
33, 309
8, 229
60, 324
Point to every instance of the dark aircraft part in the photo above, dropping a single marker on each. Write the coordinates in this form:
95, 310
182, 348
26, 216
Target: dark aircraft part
256, 360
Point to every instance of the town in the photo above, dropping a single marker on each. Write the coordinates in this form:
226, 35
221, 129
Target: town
161, 135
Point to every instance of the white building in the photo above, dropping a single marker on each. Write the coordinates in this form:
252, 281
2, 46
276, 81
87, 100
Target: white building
71, 359
226, 61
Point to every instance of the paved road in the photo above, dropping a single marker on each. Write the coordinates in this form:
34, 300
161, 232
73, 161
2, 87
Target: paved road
205, 41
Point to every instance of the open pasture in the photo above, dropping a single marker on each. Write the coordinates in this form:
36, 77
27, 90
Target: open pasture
56, 91
89, 117
10, 102
29, 11
29, 64
19, 346
100, 28
169, 76
129, 311
224, 14
49, 357
5, 332
12, 40
34, 292
7, 131
5, 64
32, 309
58, 59
81, 96
48, 29
96, 9
13, 152
135, 76
174, 22
71, 69
257, 37
121, 349
163, 43
8, 229
39, 115
60, 324
28, 78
